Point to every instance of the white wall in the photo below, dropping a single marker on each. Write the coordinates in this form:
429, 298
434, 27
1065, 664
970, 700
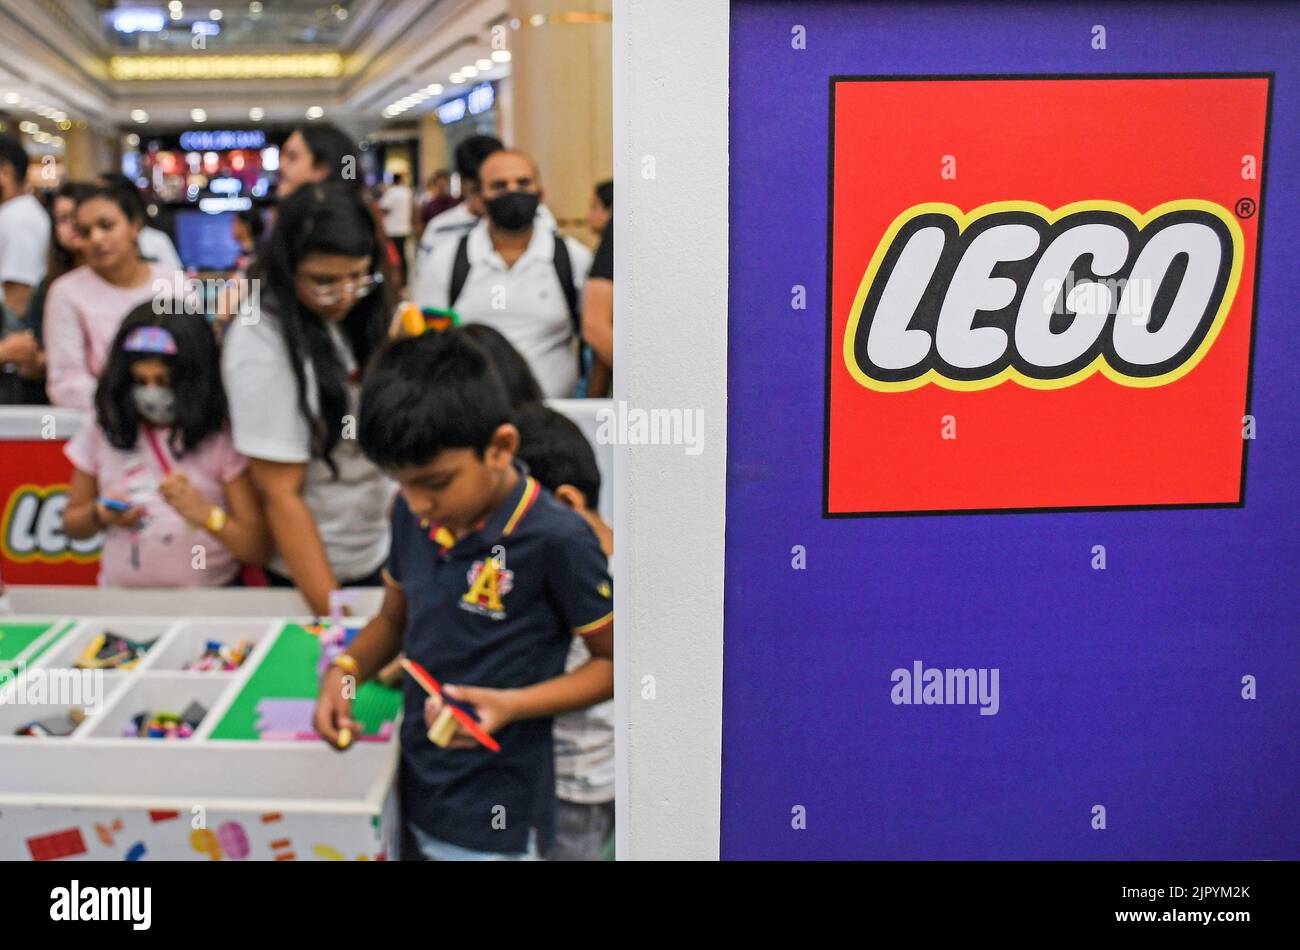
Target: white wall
670, 341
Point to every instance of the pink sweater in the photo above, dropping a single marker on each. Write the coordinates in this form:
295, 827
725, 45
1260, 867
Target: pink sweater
82, 314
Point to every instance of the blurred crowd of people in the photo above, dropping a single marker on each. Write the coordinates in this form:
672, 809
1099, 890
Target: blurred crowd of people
234, 424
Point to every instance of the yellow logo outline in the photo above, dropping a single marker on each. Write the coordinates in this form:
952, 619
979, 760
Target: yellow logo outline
11, 506
965, 219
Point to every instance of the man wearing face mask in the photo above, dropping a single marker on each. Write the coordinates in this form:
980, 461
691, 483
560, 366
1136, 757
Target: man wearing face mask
515, 273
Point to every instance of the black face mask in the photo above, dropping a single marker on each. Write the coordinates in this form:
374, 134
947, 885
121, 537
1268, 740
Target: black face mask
513, 211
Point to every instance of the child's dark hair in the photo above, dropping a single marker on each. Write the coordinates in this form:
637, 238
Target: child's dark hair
428, 393
321, 219
557, 453
521, 385
196, 380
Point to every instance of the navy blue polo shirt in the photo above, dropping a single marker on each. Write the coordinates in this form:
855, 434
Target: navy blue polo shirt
497, 608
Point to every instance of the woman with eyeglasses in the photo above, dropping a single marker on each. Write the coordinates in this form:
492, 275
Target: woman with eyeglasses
292, 371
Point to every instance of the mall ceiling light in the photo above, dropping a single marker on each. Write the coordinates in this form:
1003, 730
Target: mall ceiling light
227, 66
456, 79
468, 71
483, 64
198, 115
257, 114
315, 112
139, 115
12, 98
214, 14
501, 56
433, 88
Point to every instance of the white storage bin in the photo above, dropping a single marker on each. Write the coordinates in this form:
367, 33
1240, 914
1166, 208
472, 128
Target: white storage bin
72, 644
57, 691
185, 643
151, 693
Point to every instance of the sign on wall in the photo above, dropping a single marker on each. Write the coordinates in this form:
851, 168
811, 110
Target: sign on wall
1039, 303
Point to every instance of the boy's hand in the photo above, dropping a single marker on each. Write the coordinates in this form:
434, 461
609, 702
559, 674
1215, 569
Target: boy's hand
118, 519
493, 707
177, 491
334, 710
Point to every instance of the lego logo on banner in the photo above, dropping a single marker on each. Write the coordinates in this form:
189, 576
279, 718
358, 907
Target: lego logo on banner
995, 351
1176, 268
33, 527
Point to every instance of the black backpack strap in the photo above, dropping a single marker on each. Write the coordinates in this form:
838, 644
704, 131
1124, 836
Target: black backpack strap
564, 271
459, 272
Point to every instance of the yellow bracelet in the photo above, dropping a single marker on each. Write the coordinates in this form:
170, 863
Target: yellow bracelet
347, 663
216, 519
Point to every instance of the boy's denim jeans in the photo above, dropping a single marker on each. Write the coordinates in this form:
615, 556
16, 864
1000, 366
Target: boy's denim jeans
435, 849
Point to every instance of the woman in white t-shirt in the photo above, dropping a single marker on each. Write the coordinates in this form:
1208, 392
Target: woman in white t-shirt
292, 371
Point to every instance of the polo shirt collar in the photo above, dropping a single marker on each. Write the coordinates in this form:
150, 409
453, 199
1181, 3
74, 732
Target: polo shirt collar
541, 246
501, 522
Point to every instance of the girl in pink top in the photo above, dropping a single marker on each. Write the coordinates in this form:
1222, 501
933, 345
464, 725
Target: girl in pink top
85, 306
157, 471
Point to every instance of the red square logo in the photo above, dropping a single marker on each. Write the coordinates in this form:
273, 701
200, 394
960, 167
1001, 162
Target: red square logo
1042, 291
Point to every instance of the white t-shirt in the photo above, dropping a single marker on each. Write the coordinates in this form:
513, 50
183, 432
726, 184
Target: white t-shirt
351, 512
452, 223
584, 744
156, 246
396, 205
525, 303
24, 242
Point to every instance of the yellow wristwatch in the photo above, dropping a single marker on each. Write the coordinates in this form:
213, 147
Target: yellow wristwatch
216, 519
346, 663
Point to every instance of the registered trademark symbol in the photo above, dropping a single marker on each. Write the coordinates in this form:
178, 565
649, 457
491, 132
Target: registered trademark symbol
1246, 208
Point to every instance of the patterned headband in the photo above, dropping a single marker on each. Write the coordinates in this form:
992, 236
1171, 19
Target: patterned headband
150, 340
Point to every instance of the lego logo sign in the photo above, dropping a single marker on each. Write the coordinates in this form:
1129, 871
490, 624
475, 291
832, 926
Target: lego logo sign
1042, 292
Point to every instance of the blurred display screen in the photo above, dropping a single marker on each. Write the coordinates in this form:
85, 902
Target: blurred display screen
206, 241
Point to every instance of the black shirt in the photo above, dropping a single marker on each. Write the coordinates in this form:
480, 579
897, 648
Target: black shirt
497, 608
602, 265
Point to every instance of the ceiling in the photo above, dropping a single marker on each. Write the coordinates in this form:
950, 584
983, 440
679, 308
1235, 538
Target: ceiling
156, 26
66, 58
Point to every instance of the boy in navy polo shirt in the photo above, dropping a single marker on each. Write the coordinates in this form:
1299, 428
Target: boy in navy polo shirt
488, 580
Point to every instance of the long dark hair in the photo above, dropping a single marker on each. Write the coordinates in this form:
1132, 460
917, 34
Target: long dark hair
60, 259
330, 148
334, 150
196, 380
327, 218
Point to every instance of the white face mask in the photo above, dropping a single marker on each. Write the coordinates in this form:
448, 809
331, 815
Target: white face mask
156, 404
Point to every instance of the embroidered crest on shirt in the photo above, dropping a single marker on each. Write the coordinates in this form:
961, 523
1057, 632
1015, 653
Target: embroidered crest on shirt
488, 583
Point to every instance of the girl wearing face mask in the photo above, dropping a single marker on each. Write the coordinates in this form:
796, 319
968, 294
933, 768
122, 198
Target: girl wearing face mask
158, 471
85, 307
293, 370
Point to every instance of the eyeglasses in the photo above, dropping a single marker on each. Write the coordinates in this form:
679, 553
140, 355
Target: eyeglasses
328, 291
